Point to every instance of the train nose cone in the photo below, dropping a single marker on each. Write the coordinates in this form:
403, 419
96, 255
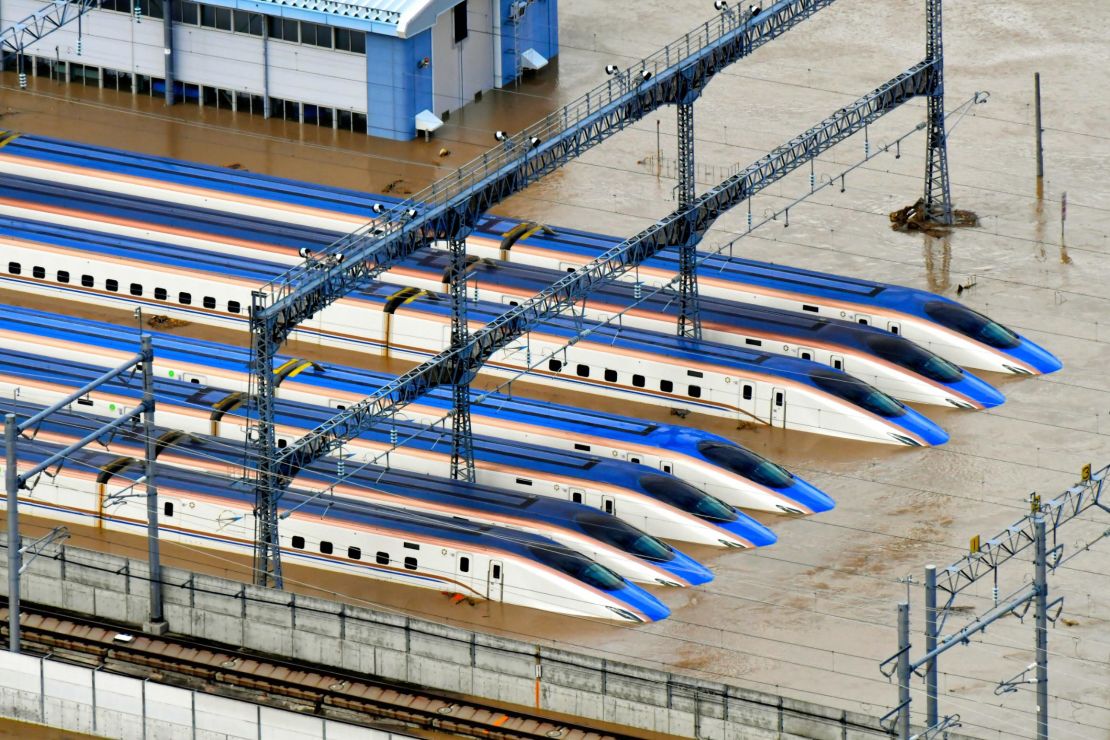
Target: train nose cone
979, 391
749, 530
927, 430
685, 567
1036, 358
641, 606
812, 499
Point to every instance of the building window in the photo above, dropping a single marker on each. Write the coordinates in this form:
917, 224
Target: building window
298, 542
215, 17
611, 376
186, 12
38, 273
315, 34
283, 29
583, 371
160, 294
666, 386
382, 558
15, 268
354, 553
167, 508
63, 276
233, 306
209, 302
150, 8
347, 39
694, 391
325, 547
87, 281
554, 365
112, 285
136, 289
461, 29
410, 564
184, 299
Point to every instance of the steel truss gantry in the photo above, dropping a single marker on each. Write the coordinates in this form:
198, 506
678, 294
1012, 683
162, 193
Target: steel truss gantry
679, 227
41, 23
449, 209
938, 194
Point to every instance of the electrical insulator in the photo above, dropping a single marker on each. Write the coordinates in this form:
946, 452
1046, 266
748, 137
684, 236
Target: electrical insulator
22, 80
138, 13
393, 436
79, 40
637, 290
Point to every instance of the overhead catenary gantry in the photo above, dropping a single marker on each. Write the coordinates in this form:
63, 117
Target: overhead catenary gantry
449, 209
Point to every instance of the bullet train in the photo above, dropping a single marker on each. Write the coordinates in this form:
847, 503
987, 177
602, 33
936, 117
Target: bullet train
653, 501
354, 538
892, 364
944, 327
631, 553
712, 463
663, 370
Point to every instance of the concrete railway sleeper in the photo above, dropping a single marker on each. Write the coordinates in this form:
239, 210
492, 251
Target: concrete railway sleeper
273, 682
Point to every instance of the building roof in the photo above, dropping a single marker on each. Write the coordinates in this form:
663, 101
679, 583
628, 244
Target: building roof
401, 18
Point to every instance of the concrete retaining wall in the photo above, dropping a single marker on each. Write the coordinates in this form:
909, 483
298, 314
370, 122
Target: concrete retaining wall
429, 654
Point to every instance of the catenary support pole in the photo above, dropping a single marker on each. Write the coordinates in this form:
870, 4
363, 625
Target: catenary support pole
11, 481
930, 645
689, 320
155, 564
167, 47
938, 194
462, 445
1040, 582
1040, 133
904, 671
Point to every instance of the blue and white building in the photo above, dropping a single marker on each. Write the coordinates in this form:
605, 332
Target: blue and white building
390, 68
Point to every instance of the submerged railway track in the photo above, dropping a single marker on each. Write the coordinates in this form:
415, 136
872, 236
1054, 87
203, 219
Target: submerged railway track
282, 684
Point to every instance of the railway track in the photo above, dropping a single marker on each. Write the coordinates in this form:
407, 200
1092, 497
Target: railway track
226, 671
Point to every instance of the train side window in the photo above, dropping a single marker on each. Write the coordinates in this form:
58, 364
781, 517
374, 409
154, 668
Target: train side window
38, 273
806, 355
382, 558
15, 268
554, 365
638, 381
666, 386
576, 496
298, 542
63, 276
86, 401
583, 371
665, 467
464, 565
185, 299
754, 342
167, 508
523, 481
634, 460
282, 443
233, 306
209, 302
582, 447
894, 329
354, 553
807, 307
112, 285
325, 547
160, 294
410, 564
695, 374
610, 376
694, 391
747, 393
411, 546
136, 289
865, 322
87, 281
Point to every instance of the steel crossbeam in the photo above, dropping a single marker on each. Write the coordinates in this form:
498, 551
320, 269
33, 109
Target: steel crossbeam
43, 22
456, 366
449, 208
1022, 534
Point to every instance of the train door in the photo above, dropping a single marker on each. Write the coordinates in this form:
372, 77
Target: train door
837, 362
608, 505
862, 318
894, 327
495, 581
778, 407
805, 353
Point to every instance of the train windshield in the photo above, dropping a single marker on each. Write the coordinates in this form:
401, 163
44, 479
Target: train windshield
613, 531
682, 495
906, 354
746, 464
972, 324
857, 392
578, 566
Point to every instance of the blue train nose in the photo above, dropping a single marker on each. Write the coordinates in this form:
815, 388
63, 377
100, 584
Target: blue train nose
685, 567
977, 390
809, 496
1036, 357
925, 428
750, 530
642, 605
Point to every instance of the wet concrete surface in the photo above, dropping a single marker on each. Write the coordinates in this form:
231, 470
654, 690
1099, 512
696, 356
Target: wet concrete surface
813, 615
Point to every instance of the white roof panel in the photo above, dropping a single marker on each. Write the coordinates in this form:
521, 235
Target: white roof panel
402, 18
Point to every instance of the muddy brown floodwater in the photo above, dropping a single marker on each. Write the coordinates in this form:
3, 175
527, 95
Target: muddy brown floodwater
813, 615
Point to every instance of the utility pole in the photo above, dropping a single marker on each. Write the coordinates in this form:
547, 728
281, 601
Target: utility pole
157, 623
1040, 583
904, 671
11, 481
931, 645
1040, 132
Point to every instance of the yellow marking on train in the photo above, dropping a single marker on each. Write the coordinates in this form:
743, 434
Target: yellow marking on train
7, 137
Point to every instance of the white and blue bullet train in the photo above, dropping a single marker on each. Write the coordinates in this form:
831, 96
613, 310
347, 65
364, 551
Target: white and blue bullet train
353, 538
936, 323
663, 370
634, 554
709, 462
892, 364
653, 501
